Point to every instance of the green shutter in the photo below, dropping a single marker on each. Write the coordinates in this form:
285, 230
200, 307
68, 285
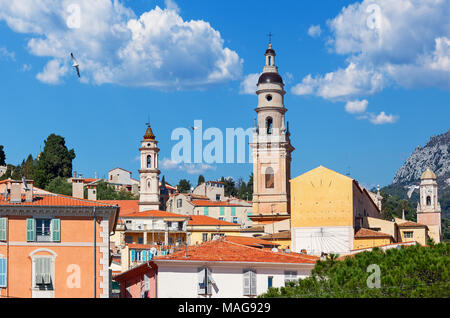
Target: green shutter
3, 272
3, 229
31, 225
233, 211
56, 230
206, 210
222, 210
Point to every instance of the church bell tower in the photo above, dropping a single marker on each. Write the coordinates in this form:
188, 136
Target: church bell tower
429, 209
271, 147
149, 173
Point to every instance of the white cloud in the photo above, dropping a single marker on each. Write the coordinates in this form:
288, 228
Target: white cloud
248, 85
190, 168
26, 67
314, 31
402, 42
382, 118
52, 72
171, 5
7, 55
112, 45
356, 106
342, 84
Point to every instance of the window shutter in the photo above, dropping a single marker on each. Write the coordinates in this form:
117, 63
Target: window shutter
246, 282
233, 211
210, 281
56, 230
206, 210
3, 229
47, 272
3, 272
253, 282
38, 271
31, 225
149, 254
144, 256
222, 210
201, 286
133, 255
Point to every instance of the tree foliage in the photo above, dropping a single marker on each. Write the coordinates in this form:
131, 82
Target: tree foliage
54, 161
60, 185
184, 186
106, 191
201, 179
2, 156
414, 271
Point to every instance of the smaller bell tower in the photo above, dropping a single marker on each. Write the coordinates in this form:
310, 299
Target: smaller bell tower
429, 209
149, 173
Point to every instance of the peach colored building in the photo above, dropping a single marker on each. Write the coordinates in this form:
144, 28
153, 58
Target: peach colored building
53, 245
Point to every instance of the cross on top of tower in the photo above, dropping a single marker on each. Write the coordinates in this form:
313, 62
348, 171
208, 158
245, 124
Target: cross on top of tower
149, 133
270, 37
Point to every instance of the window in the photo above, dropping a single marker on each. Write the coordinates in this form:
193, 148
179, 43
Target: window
3, 225
128, 239
43, 273
206, 210
205, 237
179, 203
269, 281
269, 97
269, 178
221, 218
408, 234
43, 230
149, 161
138, 256
3, 272
235, 219
205, 281
428, 200
140, 240
290, 276
269, 124
217, 197
249, 282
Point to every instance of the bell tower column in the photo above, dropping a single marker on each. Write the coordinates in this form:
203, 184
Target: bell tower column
149, 173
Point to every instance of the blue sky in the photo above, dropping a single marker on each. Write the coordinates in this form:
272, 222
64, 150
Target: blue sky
387, 88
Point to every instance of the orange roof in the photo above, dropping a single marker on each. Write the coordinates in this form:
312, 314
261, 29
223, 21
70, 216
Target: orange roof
53, 200
411, 224
90, 180
126, 206
211, 203
277, 236
366, 233
207, 220
249, 241
155, 214
226, 251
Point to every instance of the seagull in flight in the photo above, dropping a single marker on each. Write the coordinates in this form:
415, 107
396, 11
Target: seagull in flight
194, 128
411, 189
75, 64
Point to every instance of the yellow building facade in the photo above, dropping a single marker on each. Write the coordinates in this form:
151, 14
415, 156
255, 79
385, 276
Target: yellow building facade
326, 209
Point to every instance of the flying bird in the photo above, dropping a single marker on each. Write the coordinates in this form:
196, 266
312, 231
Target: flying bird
194, 128
411, 189
75, 64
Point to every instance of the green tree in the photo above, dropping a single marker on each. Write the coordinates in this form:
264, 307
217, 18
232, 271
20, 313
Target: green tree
414, 271
60, 185
106, 191
2, 156
54, 161
184, 186
201, 179
229, 187
28, 167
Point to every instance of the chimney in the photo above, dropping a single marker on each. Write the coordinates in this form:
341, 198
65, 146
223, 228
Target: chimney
92, 192
77, 188
28, 190
16, 195
74, 174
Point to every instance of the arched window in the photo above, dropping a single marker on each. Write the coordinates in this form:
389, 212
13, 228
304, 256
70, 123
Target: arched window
269, 178
149, 161
269, 124
428, 200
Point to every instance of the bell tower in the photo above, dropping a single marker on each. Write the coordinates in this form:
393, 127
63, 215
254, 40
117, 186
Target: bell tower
271, 147
149, 173
429, 209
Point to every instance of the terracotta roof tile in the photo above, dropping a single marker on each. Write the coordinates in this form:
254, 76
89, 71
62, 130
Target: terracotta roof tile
53, 200
226, 251
126, 206
411, 224
366, 233
249, 241
207, 220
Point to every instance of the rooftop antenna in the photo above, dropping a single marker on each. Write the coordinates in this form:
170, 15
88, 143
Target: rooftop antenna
348, 171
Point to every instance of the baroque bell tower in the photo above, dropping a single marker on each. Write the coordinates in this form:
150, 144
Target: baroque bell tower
149, 173
429, 209
271, 147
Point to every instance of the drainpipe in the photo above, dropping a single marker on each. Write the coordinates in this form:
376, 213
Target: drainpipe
95, 256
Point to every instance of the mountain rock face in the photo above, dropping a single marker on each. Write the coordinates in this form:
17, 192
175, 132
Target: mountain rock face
435, 154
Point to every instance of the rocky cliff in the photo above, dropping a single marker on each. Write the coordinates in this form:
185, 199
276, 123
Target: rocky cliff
435, 154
